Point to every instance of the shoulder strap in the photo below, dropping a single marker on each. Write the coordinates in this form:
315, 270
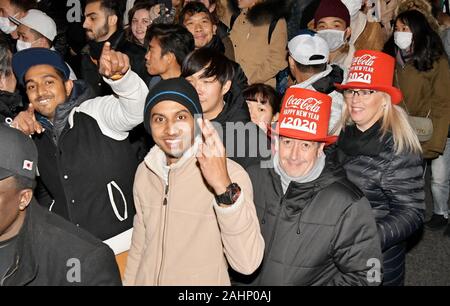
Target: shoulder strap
272, 26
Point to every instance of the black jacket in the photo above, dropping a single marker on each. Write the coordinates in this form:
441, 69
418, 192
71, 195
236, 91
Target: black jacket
394, 186
85, 176
249, 146
52, 252
317, 233
89, 70
10, 105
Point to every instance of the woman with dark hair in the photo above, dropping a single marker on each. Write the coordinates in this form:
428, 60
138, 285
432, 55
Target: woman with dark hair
423, 75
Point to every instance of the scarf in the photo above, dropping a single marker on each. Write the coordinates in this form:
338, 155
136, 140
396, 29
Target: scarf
313, 174
355, 142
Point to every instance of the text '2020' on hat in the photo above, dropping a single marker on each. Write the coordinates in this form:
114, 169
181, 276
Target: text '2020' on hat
177, 90
38, 21
25, 59
309, 49
305, 115
372, 70
18, 154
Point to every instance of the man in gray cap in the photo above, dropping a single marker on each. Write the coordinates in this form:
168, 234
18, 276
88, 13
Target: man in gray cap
38, 247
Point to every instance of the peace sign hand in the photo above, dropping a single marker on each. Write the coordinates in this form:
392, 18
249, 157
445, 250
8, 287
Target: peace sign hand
212, 158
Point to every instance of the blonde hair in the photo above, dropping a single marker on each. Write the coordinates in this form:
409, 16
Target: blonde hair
395, 121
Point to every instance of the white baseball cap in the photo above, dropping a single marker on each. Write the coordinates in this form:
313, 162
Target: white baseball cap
309, 49
38, 21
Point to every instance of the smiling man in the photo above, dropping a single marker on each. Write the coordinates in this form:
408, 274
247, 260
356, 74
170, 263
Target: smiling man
320, 226
86, 163
188, 194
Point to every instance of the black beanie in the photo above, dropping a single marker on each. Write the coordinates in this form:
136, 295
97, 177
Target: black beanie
178, 90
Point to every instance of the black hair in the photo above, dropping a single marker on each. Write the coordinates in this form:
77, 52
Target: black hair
427, 45
317, 68
23, 182
172, 38
193, 8
111, 8
215, 64
267, 93
24, 5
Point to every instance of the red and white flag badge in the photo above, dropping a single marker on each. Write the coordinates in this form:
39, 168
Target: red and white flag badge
28, 165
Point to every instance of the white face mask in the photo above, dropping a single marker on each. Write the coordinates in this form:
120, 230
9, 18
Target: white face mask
353, 6
334, 38
6, 26
22, 45
403, 40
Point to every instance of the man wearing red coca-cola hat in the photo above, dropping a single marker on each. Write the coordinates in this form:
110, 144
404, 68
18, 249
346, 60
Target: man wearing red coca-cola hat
318, 226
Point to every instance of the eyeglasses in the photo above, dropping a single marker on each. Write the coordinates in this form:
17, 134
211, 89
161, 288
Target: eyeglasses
363, 93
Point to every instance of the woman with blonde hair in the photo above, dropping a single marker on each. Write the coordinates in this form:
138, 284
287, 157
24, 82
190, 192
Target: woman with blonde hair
382, 156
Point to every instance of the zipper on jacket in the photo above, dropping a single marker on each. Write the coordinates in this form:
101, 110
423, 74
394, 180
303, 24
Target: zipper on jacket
7, 275
165, 201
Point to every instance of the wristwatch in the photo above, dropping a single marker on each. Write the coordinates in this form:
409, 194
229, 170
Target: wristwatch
230, 196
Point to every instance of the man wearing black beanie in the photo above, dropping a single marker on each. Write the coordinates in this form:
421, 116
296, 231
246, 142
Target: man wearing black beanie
193, 204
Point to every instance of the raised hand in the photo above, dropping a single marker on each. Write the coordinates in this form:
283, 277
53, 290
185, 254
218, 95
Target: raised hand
212, 158
113, 64
26, 122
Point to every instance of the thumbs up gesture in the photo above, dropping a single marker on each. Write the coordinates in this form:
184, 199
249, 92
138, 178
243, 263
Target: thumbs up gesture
113, 64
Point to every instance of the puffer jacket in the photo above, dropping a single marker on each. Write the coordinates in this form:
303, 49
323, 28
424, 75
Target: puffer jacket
260, 60
394, 186
318, 233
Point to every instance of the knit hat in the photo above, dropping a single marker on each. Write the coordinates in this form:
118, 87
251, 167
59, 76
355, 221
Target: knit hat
372, 70
332, 8
177, 90
305, 115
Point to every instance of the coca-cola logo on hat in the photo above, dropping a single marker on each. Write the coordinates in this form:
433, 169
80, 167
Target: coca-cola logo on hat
361, 69
301, 114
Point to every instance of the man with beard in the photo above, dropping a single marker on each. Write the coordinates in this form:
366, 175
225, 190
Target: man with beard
103, 22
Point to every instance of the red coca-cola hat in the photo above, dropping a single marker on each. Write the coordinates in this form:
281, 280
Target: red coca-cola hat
372, 70
305, 115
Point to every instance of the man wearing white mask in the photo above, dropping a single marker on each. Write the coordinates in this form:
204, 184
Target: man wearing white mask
366, 35
13, 8
37, 30
332, 23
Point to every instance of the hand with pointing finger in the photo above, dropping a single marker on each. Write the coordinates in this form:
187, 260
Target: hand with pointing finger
26, 122
113, 64
212, 158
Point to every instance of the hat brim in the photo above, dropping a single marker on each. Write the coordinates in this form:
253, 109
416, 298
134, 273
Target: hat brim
328, 140
5, 174
395, 93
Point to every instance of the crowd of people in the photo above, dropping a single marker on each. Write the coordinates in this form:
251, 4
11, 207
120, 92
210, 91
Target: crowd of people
220, 142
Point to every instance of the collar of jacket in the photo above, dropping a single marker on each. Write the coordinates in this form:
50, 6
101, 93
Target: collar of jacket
117, 40
156, 160
235, 108
265, 11
324, 81
295, 192
81, 92
10, 103
354, 142
25, 264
